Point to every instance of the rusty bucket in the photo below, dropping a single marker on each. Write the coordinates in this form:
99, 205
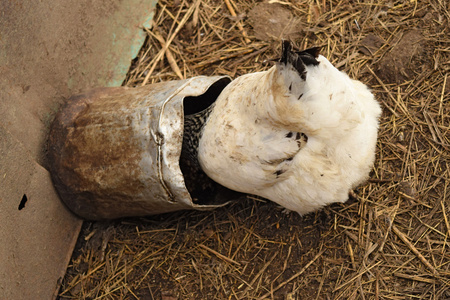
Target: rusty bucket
115, 152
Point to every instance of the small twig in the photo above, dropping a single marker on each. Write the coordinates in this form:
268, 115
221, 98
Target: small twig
172, 61
442, 98
293, 276
386, 90
357, 276
221, 58
413, 249
445, 217
221, 256
239, 24
376, 180
166, 46
350, 252
415, 278
248, 56
260, 272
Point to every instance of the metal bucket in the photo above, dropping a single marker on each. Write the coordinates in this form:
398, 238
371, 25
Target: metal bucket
114, 152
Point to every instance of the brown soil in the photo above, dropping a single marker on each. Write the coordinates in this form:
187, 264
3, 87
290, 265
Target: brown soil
272, 22
406, 60
389, 242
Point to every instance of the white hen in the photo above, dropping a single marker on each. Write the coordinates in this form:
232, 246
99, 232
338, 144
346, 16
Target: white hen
301, 134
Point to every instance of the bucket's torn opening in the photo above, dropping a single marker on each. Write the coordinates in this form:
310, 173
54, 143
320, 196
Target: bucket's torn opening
203, 190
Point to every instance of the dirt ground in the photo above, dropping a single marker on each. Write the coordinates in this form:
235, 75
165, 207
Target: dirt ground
390, 241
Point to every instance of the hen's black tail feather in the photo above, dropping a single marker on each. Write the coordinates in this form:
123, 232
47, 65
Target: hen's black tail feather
299, 59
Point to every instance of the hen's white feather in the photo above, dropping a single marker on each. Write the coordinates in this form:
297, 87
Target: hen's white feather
302, 143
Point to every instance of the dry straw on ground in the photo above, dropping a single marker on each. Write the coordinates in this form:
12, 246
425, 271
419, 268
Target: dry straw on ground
390, 242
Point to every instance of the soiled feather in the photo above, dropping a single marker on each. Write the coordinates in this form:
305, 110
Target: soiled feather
301, 134
197, 182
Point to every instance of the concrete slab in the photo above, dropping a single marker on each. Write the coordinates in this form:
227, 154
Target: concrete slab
50, 50
38, 233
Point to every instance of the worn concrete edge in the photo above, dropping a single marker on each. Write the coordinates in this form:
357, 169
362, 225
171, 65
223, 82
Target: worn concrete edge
135, 46
30, 185
67, 260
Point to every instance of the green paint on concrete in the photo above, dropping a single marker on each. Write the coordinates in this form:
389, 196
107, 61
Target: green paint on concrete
134, 45
125, 42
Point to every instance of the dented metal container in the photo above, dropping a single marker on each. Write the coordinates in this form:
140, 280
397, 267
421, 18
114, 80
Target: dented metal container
115, 152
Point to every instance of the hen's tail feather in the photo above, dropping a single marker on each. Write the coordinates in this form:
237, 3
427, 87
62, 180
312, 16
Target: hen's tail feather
299, 59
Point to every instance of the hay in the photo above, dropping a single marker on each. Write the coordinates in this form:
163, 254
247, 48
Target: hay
390, 242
